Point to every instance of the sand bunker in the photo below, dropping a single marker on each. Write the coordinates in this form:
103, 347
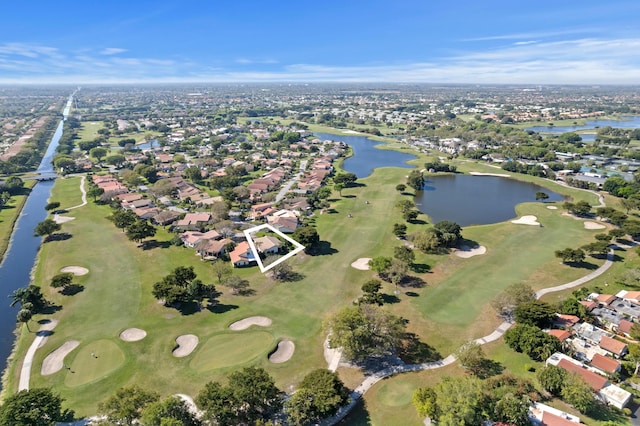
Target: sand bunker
75, 270
62, 219
133, 335
283, 352
248, 322
186, 344
55, 360
466, 252
489, 174
361, 264
593, 225
552, 207
527, 220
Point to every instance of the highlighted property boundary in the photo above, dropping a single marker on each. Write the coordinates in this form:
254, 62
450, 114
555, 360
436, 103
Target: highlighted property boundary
247, 233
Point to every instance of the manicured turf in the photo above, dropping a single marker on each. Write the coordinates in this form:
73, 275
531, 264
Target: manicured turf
450, 309
224, 350
86, 368
89, 130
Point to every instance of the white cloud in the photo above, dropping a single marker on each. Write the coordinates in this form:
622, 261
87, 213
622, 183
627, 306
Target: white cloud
112, 51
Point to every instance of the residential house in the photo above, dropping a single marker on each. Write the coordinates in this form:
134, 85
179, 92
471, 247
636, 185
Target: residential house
242, 255
561, 335
192, 238
213, 248
267, 244
607, 392
286, 225
606, 364
544, 415
625, 327
193, 221
613, 346
565, 321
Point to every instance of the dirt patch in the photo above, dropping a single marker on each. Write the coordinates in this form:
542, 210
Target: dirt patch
55, 360
283, 352
361, 264
527, 220
243, 324
186, 344
133, 334
75, 270
593, 225
552, 207
466, 252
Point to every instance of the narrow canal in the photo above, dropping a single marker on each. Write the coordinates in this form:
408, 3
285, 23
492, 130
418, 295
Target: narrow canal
15, 270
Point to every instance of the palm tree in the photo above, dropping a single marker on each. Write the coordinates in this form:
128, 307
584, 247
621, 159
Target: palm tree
24, 316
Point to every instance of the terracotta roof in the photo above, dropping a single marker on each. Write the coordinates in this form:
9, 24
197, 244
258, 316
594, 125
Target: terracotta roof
625, 326
605, 363
240, 253
568, 321
550, 419
590, 305
605, 298
632, 295
612, 345
562, 335
594, 380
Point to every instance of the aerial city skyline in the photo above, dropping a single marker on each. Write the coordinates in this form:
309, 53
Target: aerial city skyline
410, 41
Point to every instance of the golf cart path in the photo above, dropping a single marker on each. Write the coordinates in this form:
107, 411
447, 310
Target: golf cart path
374, 378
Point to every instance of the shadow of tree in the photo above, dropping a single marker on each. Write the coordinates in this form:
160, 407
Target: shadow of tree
246, 292
411, 294
413, 351
583, 265
359, 416
420, 268
72, 289
413, 282
390, 298
59, 236
489, 368
152, 244
220, 308
322, 248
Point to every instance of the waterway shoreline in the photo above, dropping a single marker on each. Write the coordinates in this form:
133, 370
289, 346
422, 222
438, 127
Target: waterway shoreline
7, 238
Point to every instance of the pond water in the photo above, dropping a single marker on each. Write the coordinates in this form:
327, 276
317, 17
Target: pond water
366, 157
627, 122
153, 143
476, 200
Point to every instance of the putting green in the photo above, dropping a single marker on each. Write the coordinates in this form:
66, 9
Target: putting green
224, 350
85, 368
396, 393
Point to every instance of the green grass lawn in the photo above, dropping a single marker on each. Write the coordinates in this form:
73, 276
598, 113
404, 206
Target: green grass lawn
116, 295
89, 130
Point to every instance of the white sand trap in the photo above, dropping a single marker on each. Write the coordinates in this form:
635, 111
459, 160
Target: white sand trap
133, 334
351, 132
466, 252
55, 360
361, 264
62, 219
593, 225
75, 270
283, 352
186, 344
527, 220
243, 324
552, 207
489, 174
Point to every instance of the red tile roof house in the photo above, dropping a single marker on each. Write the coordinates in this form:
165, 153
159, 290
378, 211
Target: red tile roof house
605, 299
242, 255
589, 305
193, 221
213, 248
286, 225
625, 327
565, 321
562, 335
613, 346
607, 392
605, 364
192, 238
267, 244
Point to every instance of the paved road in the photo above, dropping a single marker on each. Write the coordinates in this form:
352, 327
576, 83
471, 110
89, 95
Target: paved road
287, 186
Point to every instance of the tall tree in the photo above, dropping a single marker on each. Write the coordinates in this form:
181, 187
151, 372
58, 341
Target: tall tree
46, 228
320, 395
171, 410
34, 407
416, 180
126, 404
139, 230
363, 331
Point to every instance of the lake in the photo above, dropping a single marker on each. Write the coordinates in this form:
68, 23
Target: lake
627, 122
366, 157
476, 200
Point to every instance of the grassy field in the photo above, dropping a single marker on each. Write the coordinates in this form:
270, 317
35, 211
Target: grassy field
116, 295
89, 130
9, 214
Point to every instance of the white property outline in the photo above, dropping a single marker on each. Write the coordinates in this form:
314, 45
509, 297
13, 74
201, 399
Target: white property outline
247, 233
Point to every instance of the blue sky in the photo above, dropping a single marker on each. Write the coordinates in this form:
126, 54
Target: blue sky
433, 41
